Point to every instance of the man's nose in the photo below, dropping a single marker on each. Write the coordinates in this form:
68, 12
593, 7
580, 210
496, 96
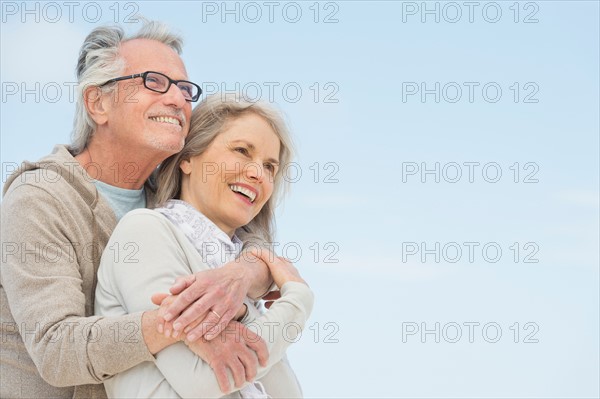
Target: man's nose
174, 97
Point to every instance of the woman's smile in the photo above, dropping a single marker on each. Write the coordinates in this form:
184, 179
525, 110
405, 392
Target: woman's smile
233, 179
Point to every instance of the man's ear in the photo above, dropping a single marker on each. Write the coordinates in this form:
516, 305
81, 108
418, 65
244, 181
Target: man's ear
186, 166
96, 104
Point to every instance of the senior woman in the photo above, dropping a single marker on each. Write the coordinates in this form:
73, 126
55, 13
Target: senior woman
223, 185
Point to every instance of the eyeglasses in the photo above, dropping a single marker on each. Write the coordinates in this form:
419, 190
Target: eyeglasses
161, 83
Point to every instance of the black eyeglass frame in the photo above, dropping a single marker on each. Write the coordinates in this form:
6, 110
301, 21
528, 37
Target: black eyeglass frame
171, 81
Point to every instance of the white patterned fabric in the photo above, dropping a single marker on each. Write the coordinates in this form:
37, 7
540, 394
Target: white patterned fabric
215, 247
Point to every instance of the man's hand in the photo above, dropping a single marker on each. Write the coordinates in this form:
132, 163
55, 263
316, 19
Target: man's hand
154, 341
214, 297
218, 295
163, 300
238, 350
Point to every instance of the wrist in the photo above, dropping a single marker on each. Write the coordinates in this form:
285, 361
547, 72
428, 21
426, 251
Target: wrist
242, 313
241, 272
256, 275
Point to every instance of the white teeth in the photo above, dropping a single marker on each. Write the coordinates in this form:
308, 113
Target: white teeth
242, 190
165, 119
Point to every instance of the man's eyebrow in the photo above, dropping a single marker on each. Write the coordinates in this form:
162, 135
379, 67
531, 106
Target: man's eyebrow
252, 148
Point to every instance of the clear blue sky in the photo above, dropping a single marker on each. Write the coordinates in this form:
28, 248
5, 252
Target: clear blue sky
497, 101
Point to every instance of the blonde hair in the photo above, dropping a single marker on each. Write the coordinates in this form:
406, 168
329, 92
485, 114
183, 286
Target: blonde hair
208, 121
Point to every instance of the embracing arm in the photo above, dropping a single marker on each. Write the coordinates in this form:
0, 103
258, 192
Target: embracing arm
221, 290
282, 324
286, 318
162, 254
48, 281
161, 259
279, 328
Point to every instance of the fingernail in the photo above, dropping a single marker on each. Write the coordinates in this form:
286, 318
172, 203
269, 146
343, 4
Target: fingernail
175, 334
168, 333
168, 316
160, 328
191, 337
177, 326
186, 330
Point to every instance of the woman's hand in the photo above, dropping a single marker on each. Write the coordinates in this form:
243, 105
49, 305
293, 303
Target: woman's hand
239, 351
282, 270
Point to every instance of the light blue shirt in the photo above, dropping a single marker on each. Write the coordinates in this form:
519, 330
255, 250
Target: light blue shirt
121, 200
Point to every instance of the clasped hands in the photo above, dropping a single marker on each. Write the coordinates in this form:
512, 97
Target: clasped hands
207, 304
237, 348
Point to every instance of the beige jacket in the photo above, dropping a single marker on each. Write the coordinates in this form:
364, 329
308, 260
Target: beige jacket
54, 227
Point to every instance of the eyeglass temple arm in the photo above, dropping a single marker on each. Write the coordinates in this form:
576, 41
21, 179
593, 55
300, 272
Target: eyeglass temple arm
136, 75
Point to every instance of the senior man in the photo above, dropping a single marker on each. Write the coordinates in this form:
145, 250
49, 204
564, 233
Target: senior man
133, 111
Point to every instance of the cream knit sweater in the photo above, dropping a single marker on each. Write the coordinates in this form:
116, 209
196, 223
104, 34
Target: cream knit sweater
157, 253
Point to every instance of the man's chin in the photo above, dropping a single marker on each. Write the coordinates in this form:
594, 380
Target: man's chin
172, 145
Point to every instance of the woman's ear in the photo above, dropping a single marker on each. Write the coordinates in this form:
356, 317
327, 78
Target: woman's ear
93, 98
186, 166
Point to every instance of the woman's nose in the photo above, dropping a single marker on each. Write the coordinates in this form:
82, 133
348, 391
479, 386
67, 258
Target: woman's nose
255, 171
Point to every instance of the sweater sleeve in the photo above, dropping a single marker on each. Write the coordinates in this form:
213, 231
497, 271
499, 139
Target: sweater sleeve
43, 277
160, 258
279, 327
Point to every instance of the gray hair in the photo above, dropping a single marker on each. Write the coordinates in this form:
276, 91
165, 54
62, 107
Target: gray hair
209, 119
99, 62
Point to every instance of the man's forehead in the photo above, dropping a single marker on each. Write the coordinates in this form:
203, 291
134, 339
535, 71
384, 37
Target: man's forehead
152, 55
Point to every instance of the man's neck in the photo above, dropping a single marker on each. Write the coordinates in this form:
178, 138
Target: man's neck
112, 165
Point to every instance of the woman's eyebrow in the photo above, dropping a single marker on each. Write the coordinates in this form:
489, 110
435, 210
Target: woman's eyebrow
248, 144
251, 147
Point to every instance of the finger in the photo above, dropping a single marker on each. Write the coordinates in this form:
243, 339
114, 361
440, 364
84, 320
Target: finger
160, 322
194, 324
164, 327
222, 377
160, 325
185, 299
250, 362
272, 296
169, 330
195, 311
220, 325
209, 322
238, 372
263, 254
255, 251
258, 345
158, 298
181, 283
